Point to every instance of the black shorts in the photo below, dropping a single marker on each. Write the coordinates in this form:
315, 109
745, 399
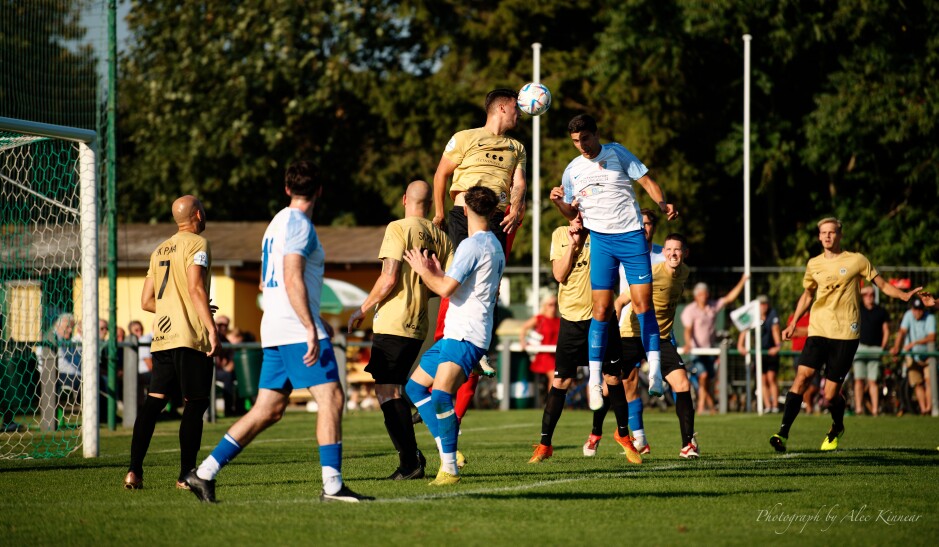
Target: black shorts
837, 354
572, 350
182, 369
458, 231
392, 358
633, 355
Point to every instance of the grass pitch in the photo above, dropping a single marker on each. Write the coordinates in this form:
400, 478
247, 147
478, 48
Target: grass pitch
879, 489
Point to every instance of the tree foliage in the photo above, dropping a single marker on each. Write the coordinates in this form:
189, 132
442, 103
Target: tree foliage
218, 96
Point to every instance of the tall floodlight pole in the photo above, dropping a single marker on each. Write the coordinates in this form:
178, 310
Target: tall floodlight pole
536, 191
746, 221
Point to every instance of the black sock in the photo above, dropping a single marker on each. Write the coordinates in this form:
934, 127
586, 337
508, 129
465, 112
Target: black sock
684, 408
836, 407
143, 431
599, 416
553, 406
406, 443
190, 434
620, 408
392, 425
790, 412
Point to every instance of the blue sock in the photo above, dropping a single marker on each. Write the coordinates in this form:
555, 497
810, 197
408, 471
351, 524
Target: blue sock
420, 396
635, 415
224, 452
331, 464
649, 331
331, 455
447, 428
596, 336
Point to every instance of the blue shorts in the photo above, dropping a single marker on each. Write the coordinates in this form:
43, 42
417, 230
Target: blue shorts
447, 350
608, 251
283, 367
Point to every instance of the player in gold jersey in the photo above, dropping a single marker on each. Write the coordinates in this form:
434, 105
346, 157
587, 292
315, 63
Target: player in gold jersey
184, 340
668, 281
484, 156
832, 280
400, 324
570, 264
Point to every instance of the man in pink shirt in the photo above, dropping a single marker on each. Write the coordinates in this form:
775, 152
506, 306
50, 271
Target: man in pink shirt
698, 319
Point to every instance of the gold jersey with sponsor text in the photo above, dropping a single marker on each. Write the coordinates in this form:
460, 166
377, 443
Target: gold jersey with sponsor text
177, 324
836, 313
575, 302
404, 310
485, 159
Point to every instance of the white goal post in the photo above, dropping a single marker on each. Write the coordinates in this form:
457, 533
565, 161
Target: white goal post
87, 214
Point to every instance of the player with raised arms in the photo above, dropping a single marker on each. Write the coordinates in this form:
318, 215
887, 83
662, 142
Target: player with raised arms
598, 184
472, 284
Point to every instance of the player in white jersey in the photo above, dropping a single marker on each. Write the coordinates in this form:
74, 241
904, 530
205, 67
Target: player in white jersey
297, 350
598, 186
472, 284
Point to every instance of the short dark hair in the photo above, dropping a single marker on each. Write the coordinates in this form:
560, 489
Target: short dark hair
679, 238
582, 122
481, 200
651, 214
303, 178
497, 95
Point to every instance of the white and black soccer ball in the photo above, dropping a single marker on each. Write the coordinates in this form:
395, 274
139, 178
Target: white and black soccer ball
534, 99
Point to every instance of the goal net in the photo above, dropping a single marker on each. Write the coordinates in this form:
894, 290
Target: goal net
48, 291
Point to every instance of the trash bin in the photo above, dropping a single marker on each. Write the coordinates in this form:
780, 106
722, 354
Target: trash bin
248, 371
521, 386
19, 379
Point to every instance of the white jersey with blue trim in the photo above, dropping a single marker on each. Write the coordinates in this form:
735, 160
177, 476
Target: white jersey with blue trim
604, 190
477, 265
290, 232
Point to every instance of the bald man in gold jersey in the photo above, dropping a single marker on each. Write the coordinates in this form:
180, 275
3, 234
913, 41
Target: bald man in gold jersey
399, 299
185, 337
832, 280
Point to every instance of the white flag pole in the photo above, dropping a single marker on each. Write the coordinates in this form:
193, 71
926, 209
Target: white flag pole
746, 219
536, 191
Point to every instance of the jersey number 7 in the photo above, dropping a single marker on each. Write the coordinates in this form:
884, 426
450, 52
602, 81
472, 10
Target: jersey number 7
166, 275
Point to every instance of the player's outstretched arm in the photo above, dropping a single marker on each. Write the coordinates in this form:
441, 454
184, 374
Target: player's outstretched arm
444, 171
729, 298
655, 192
569, 210
386, 282
894, 292
513, 220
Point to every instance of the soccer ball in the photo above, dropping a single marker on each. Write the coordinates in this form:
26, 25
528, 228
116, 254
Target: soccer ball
534, 99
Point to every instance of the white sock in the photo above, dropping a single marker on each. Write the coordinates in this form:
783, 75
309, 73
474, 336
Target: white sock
655, 363
595, 368
439, 446
448, 462
332, 480
208, 469
640, 435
